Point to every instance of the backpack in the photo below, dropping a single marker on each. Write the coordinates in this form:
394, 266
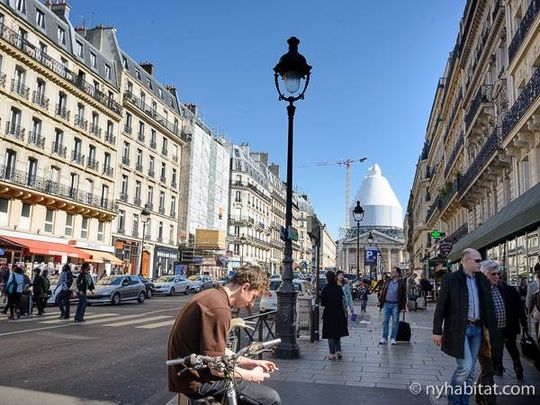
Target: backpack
69, 279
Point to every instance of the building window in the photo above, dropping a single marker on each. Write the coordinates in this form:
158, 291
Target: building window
124, 62
121, 220
125, 181
108, 72
161, 92
150, 200
173, 205
100, 231
171, 234
163, 172
138, 74
104, 195
10, 163
40, 19
160, 231
84, 228
139, 157
49, 221
69, 225
32, 172
93, 60
173, 178
61, 36
25, 211
74, 185
238, 196
149, 82
79, 49
161, 200
4, 205
138, 188
125, 154
21, 6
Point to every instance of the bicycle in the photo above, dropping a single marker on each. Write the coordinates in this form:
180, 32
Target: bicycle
225, 364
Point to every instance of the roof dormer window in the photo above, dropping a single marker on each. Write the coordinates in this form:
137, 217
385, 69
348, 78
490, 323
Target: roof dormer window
93, 60
108, 72
124, 62
61, 34
138, 74
21, 6
40, 19
79, 49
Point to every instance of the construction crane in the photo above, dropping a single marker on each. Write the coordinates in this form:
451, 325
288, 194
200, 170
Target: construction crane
347, 163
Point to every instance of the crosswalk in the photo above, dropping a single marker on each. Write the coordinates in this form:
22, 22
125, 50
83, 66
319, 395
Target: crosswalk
146, 321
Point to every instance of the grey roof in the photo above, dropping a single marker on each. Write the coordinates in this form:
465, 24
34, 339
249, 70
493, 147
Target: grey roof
52, 22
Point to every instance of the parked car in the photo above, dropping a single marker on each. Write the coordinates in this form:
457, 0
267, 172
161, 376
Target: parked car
269, 298
150, 287
171, 285
223, 280
115, 289
198, 283
54, 291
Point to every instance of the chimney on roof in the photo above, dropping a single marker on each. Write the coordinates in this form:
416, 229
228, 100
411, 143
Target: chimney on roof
60, 8
148, 66
171, 88
193, 108
81, 30
274, 169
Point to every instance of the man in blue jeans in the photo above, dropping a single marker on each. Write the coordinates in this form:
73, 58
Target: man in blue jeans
464, 309
392, 300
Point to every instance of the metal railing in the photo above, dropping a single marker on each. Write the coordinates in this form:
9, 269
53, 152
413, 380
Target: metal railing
15, 131
454, 154
20, 89
110, 138
93, 164
108, 171
40, 100
449, 194
77, 157
125, 160
139, 167
94, 129
59, 149
36, 139
128, 129
431, 210
264, 329
523, 29
484, 95
81, 122
62, 112
140, 137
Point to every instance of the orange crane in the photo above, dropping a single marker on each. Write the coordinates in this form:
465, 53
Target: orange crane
347, 163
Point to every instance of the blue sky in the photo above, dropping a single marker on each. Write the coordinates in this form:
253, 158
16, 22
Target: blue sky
375, 69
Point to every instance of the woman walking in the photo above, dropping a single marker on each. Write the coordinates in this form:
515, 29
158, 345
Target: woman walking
347, 296
39, 290
334, 316
14, 289
363, 292
84, 284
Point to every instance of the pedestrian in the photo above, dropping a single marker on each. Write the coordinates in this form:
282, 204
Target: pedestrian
334, 316
379, 286
4, 275
392, 301
522, 289
347, 295
64, 284
465, 306
537, 265
412, 292
84, 284
39, 290
47, 283
363, 293
530, 300
14, 289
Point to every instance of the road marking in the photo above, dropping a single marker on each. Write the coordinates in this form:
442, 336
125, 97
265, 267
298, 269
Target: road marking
134, 321
156, 325
87, 317
72, 324
38, 318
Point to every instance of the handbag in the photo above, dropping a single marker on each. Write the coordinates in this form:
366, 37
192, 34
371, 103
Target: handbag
354, 317
529, 347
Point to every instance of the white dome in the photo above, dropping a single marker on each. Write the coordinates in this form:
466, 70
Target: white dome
381, 206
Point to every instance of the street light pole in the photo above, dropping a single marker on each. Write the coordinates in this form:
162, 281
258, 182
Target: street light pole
145, 213
292, 68
358, 215
242, 242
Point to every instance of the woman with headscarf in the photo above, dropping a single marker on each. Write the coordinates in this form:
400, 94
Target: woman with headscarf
334, 316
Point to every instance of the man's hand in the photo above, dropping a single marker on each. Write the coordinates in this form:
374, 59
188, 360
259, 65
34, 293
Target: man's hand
437, 339
256, 375
267, 366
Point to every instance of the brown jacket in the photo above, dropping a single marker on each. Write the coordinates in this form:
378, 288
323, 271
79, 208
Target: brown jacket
402, 293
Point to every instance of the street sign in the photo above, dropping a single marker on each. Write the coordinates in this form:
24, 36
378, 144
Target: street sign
445, 247
370, 256
436, 234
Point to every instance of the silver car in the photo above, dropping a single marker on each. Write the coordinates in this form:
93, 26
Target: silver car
115, 289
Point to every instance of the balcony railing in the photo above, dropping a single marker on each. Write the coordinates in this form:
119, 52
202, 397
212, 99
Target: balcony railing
81, 122
94, 129
93, 164
77, 157
174, 184
162, 210
140, 137
454, 154
43, 185
2, 79
139, 167
108, 171
150, 206
13, 38
459, 233
523, 29
19, 88
164, 151
62, 112
137, 202
153, 144
110, 138
128, 129
148, 110
125, 160
450, 192
36, 139
487, 151
135, 232
482, 96
15, 131
163, 179
40, 100
59, 149
123, 196
434, 206
173, 214
151, 173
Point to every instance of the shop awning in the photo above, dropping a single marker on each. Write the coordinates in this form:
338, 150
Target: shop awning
517, 216
99, 256
47, 248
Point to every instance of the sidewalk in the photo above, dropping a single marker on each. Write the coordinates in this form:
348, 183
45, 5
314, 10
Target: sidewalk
373, 374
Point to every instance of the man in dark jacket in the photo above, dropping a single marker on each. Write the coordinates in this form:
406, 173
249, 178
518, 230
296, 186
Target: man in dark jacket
39, 290
465, 306
509, 313
392, 300
84, 284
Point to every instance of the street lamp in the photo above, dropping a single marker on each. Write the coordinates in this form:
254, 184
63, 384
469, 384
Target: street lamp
293, 69
358, 215
242, 242
145, 214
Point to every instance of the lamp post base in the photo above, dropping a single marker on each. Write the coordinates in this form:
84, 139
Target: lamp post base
286, 322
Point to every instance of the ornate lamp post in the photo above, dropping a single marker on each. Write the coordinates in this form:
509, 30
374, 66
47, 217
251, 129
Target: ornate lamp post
293, 70
358, 215
242, 242
145, 214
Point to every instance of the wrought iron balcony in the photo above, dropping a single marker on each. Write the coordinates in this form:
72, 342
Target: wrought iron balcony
77, 157
59, 149
95, 130
110, 138
449, 192
523, 29
125, 160
15, 131
81, 122
433, 208
462, 231
139, 167
162, 210
13, 38
150, 206
527, 96
173, 214
108, 171
163, 179
453, 155
174, 185
40, 100
93, 164
2, 79
140, 137
175, 158
153, 144
123, 196
485, 154
19, 88
121, 230
128, 129
46, 186
151, 173
148, 110
135, 231
164, 151
36, 139
137, 201
483, 96
62, 112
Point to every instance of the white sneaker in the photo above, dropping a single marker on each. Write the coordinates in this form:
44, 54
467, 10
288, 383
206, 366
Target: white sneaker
383, 341
393, 341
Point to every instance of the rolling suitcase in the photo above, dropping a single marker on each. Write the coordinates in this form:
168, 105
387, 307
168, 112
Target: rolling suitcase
403, 331
421, 302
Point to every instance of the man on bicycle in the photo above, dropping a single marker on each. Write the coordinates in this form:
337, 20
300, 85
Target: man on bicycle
202, 328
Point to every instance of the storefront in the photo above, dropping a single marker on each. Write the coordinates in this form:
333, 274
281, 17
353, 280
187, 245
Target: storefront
164, 261
128, 251
102, 257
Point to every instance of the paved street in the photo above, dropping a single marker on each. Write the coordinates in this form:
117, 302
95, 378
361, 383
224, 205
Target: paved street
118, 356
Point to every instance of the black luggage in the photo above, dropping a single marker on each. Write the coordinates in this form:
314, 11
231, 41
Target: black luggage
529, 347
403, 331
24, 304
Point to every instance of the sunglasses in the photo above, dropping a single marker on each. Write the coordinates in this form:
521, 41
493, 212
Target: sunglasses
496, 273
